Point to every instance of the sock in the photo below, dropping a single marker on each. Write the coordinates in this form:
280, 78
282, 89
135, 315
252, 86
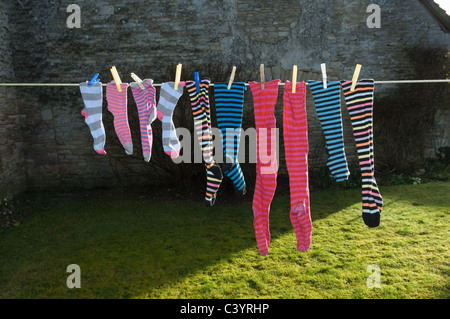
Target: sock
117, 105
167, 102
213, 180
360, 107
146, 105
202, 124
328, 107
295, 133
93, 100
229, 109
266, 172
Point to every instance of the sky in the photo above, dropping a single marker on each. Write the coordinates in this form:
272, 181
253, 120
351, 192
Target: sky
444, 4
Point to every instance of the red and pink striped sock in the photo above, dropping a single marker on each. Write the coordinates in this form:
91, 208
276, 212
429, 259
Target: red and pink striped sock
295, 133
117, 105
267, 165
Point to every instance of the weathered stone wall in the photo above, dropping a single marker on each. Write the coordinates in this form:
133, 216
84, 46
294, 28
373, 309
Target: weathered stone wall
151, 37
12, 175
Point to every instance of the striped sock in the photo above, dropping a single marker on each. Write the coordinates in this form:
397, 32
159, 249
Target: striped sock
117, 105
328, 107
167, 102
146, 106
295, 133
266, 172
360, 107
229, 109
202, 124
93, 100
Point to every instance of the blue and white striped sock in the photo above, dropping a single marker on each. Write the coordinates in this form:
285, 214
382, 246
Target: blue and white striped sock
229, 109
168, 99
328, 107
93, 100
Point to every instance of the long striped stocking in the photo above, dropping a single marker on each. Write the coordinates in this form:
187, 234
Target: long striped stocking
266, 165
229, 109
328, 107
360, 107
295, 133
202, 124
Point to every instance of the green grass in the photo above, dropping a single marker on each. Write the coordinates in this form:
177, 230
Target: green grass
145, 249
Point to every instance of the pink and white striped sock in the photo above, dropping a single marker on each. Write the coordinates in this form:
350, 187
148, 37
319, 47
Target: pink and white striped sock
117, 105
146, 105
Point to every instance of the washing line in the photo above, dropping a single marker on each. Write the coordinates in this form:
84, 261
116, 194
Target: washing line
212, 84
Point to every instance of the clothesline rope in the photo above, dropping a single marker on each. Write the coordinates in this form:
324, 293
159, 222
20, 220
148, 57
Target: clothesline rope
212, 84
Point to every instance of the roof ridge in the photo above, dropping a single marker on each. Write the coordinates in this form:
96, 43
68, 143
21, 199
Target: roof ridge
438, 13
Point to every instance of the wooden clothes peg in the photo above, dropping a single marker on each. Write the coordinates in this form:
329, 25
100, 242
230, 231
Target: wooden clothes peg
263, 76
294, 79
323, 66
116, 77
233, 74
138, 81
178, 76
355, 77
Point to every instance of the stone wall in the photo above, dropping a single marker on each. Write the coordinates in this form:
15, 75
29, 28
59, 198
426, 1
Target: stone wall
151, 37
12, 175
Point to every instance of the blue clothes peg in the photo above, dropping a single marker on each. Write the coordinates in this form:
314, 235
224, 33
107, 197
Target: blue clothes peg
94, 79
197, 82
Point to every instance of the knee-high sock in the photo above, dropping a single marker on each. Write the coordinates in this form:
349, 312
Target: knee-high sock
146, 105
295, 133
229, 109
328, 107
360, 107
93, 100
117, 105
266, 165
167, 102
202, 125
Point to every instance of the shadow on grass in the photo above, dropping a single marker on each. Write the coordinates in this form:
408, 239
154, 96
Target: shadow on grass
131, 244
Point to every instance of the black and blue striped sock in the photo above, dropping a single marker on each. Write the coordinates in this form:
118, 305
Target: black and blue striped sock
229, 109
328, 107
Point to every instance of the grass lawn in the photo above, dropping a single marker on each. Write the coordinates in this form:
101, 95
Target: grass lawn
180, 249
